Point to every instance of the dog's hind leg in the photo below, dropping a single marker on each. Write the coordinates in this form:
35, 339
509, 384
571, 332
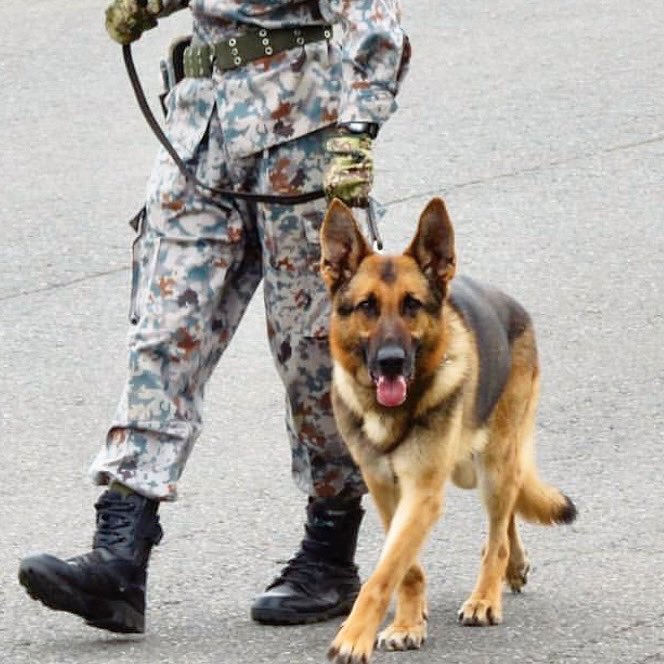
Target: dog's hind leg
500, 473
500, 489
518, 565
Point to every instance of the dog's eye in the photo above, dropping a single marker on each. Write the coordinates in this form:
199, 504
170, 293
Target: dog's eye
411, 305
368, 306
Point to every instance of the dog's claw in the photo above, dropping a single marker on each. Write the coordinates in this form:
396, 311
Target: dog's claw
346, 653
403, 637
480, 613
337, 657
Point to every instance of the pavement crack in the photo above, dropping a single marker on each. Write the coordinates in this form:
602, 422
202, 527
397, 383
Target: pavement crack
610, 633
657, 138
531, 169
62, 284
635, 144
655, 657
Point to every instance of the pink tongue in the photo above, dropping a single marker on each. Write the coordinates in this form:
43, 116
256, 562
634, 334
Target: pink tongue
391, 391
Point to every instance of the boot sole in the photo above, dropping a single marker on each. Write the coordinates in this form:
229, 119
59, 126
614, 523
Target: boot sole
277, 616
47, 587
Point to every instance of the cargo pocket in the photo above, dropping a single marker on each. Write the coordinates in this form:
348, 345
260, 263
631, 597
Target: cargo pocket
189, 106
296, 298
143, 255
316, 321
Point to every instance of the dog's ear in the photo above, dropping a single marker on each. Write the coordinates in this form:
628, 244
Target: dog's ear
343, 246
433, 244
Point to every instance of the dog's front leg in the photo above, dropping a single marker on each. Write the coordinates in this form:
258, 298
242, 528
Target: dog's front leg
408, 630
418, 508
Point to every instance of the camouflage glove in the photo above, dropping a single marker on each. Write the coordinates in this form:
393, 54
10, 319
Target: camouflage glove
349, 173
127, 20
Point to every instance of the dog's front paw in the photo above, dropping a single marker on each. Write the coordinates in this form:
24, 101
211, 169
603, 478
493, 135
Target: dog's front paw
403, 637
480, 612
352, 645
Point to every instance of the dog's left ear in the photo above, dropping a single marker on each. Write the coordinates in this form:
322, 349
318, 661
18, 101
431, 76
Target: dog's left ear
343, 246
433, 244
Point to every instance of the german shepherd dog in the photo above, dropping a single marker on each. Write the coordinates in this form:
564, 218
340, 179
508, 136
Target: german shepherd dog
434, 378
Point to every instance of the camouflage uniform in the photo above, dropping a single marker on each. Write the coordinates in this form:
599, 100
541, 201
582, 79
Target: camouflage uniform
261, 127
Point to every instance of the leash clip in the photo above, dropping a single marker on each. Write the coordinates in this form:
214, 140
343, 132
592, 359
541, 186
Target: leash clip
375, 211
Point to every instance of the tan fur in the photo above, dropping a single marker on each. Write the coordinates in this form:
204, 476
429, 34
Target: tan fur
407, 453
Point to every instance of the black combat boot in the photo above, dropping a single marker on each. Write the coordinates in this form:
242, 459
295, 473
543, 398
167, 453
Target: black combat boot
321, 581
106, 586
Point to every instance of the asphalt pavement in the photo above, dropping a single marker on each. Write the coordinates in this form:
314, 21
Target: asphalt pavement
542, 125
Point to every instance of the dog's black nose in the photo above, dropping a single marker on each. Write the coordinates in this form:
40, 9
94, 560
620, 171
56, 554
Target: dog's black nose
391, 360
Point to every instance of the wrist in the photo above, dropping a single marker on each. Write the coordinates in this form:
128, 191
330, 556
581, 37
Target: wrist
170, 6
360, 127
163, 8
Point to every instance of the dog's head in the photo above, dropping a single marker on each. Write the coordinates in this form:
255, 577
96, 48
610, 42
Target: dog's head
386, 327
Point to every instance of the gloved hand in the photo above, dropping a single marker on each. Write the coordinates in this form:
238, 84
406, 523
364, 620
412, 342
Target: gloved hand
127, 20
349, 173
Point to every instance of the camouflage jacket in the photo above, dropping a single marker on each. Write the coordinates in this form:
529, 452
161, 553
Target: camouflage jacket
295, 92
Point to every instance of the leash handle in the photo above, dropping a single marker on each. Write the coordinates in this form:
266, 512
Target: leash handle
277, 199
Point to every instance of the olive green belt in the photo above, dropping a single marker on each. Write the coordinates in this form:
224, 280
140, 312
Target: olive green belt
199, 61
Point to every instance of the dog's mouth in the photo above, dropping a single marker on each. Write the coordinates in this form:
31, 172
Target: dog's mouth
391, 391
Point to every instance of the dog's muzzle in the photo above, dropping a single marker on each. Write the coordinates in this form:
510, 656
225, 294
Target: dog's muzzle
390, 370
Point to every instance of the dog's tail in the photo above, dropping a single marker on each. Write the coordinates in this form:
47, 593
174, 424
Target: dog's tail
542, 503
537, 501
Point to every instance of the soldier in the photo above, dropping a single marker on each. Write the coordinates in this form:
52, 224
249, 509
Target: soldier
270, 103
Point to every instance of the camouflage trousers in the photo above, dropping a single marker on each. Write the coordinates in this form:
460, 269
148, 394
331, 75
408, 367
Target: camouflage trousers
196, 268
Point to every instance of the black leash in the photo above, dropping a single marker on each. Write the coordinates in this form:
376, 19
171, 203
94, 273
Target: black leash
168, 146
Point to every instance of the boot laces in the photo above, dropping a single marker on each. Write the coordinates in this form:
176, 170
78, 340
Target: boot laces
114, 520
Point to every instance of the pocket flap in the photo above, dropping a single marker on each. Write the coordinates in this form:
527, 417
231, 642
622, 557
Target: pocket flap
189, 106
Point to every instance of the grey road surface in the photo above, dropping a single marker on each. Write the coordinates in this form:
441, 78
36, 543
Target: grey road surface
542, 125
